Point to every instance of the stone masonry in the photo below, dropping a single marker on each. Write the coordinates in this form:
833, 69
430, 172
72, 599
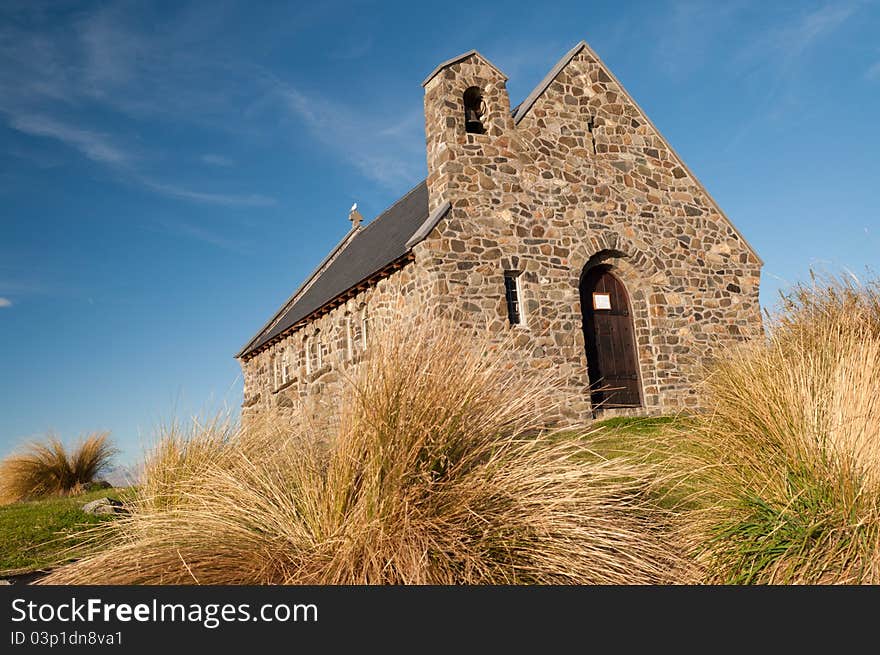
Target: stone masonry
574, 177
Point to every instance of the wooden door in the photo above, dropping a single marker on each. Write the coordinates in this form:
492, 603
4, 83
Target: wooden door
609, 340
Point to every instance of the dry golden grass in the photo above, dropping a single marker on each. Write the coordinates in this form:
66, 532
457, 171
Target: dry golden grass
438, 469
47, 468
789, 458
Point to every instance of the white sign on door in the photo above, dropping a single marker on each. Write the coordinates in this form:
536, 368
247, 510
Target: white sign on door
601, 301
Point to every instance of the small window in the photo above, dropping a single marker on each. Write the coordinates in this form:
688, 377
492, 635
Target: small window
318, 348
356, 341
512, 296
474, 111
306, 345
276, 371
285, 366
348, 343
365, 329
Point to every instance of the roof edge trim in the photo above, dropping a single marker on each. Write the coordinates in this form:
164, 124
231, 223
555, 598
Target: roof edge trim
429, 224
339, 246
532, 98
382, 272
457, 59
675, 154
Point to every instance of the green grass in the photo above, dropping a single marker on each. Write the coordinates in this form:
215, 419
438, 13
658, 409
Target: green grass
38, 534
655, 440
632, 435
629, 436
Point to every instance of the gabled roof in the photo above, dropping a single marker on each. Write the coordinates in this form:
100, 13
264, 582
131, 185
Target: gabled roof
457, 59
389, 237
383, 241
520, 112
526, 104
317, 270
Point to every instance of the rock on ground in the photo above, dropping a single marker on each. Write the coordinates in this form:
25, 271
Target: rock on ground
103, 506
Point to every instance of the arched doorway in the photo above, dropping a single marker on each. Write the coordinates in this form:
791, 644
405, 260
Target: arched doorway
609, 340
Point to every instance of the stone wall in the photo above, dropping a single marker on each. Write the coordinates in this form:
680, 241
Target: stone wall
583, 179
392, 298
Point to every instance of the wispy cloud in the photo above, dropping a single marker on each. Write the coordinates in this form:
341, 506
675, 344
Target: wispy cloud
390, 154
232, 200
204, 235
99, 147
96, 146
56, 77
216, 160
5, 302
354, 49
787, 44
111, 52
777, 57
687, 30
873, 72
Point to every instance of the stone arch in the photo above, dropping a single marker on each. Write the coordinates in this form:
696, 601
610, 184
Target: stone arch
620, 246
474, 110
640, 273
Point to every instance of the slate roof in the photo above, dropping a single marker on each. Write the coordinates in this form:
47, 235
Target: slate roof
394, 232
384, 240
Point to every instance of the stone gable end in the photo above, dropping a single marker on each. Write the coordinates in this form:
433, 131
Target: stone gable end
579, 178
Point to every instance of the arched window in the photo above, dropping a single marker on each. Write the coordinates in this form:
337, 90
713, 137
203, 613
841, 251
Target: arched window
349, 348
308, 357
285, 365
474, 111
318, 348
276, 370
365, 327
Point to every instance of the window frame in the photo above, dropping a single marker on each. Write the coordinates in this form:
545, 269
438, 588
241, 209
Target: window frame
307, 344
319, 350
276, 372
514, 305
365, 326
285, 366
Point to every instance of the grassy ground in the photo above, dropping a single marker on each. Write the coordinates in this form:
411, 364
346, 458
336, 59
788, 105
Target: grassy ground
630, 436
36, 534
657, 441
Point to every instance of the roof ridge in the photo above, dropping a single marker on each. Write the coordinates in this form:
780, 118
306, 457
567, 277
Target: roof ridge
524, 107
665, 142
346, 239
455, 60
387, 238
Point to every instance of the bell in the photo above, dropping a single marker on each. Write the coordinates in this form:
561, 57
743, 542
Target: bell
472, 122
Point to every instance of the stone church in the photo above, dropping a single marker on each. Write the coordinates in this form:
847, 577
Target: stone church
567, 220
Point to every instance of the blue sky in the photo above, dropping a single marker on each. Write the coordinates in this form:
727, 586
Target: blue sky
170, 171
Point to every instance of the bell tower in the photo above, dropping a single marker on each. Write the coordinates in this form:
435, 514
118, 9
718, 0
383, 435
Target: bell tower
467, 125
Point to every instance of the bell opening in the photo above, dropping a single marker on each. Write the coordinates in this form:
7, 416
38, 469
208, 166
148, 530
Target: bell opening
474, 110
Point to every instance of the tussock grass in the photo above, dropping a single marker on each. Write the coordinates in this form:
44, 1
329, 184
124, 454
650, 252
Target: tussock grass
47, 468
437, 469
788, 461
